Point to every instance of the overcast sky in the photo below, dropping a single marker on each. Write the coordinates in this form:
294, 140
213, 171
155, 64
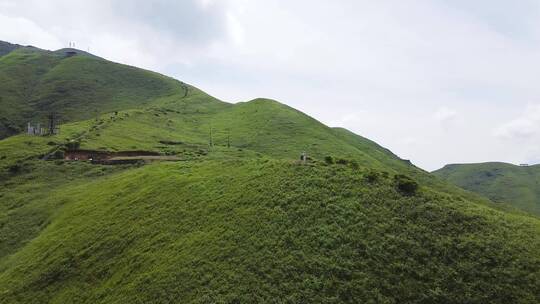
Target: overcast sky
435, 81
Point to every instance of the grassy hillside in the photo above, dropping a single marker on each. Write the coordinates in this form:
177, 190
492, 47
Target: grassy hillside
246, 230
238, 219
35, 82
262, 125
501, 182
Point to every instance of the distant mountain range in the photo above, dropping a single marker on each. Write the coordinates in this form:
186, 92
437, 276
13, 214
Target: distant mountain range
225, 211
501, 182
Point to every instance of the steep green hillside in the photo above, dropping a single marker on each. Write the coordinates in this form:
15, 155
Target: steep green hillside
238, 219
262, 125
501, 182
35, 82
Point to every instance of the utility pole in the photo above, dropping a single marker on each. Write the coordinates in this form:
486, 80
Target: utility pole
228, 139
211, 138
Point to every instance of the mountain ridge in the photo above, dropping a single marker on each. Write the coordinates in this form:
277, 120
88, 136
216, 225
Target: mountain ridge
6, 47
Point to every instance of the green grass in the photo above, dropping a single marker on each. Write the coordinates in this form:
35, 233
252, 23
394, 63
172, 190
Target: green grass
518, 186
239, 221
29, 197
264, 126
230, 230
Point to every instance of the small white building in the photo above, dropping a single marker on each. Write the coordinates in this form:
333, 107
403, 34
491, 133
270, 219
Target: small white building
35, 130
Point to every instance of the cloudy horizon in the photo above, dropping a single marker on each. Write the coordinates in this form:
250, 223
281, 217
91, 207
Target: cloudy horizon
436, 82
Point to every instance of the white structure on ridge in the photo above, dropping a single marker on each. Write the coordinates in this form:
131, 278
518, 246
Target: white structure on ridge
37, 130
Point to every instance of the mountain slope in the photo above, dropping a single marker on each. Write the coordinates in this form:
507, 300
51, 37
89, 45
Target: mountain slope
263, 230
6, 47
262, 125
501, 182
36, 82
237, 218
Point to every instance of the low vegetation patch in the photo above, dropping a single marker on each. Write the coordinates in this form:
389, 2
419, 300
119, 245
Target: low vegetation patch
405, 184
171, 142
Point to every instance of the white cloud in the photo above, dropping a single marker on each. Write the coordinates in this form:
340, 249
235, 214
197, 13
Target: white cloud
236, 29
25, 32
349, 118
445, 115
526, 126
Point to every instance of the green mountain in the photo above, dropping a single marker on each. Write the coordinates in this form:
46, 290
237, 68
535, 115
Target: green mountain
501, 182
35, 82
236, 217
